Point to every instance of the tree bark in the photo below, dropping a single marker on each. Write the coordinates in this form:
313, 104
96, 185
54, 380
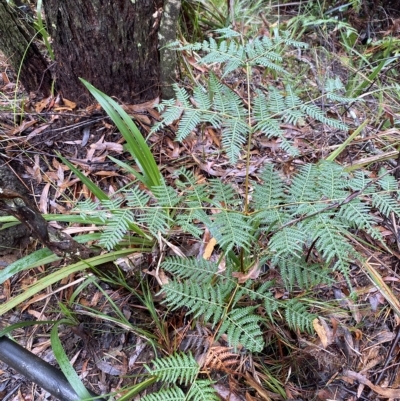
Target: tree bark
16, 237
167, 35
111, 44
23, 55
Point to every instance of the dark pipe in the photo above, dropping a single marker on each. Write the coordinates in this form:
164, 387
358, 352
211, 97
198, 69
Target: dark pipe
38, 371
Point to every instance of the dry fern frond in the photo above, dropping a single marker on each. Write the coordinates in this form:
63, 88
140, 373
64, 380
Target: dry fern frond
219, 358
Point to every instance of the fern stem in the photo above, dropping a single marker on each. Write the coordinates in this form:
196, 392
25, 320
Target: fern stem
246, 182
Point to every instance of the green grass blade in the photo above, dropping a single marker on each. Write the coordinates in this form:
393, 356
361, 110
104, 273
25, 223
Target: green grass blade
65, 365
58, 275
91, 185
136, 144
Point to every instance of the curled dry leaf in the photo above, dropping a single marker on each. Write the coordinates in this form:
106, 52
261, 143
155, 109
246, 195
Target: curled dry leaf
385, 392
323, 331
252, 274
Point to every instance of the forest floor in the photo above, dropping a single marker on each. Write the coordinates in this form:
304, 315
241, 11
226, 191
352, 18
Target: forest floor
346, 357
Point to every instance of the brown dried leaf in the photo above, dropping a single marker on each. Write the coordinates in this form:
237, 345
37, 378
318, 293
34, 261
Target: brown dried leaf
209, 248
252, 274
386, 392
44, 198
323, 331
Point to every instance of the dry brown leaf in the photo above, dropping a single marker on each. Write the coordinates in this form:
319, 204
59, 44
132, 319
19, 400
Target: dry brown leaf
323, 332
192, 61
209, 249
142, 107
40, 106
35, 170
5, 79
68, 103
160, 276
214, 137
386, 392
115, 147
37, 131
252, 274
44, 198
23, 127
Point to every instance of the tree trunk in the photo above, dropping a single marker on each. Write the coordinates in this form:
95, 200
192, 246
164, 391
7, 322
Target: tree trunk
23, 55
113, 45
13, 238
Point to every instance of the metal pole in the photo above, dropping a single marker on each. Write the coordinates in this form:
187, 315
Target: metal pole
40, 372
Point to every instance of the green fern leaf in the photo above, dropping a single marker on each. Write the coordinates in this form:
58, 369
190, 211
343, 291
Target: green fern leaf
202, 390
198, 271
271, 192
358, 216
231, 229
186, 223
166, 195
188, 122
116, 228
289, 241
242, 327
170, 394
298, 317
296, 271
178, 368
386, 204
207, 301
136, 198
156, 219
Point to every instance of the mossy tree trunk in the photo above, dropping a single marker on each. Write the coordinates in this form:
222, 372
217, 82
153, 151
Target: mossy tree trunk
23, 55
111, 44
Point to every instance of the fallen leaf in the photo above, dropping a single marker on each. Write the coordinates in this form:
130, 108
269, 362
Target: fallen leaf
252, 274
209, 249
322, 331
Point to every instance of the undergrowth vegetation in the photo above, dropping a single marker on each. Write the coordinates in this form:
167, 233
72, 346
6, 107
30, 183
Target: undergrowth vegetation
305, 225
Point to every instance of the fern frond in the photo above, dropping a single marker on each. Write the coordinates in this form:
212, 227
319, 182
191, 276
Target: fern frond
207, 301
116, 228
178, 368
234, 135
221, 358
202, 390
386, 204
232, 229
156, 219
86, 208
165, 195
295, 271
302, 188
333, 88
186, 223
224, 194
331, 181
137, 198
264, 294
271, 192
242, 326
190, 119
358, 215
298, 317
170, 394
276, 101
292, 103
317, 114
328, 235
360, 181
199, 271
201, 98
288, 241
388, 182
